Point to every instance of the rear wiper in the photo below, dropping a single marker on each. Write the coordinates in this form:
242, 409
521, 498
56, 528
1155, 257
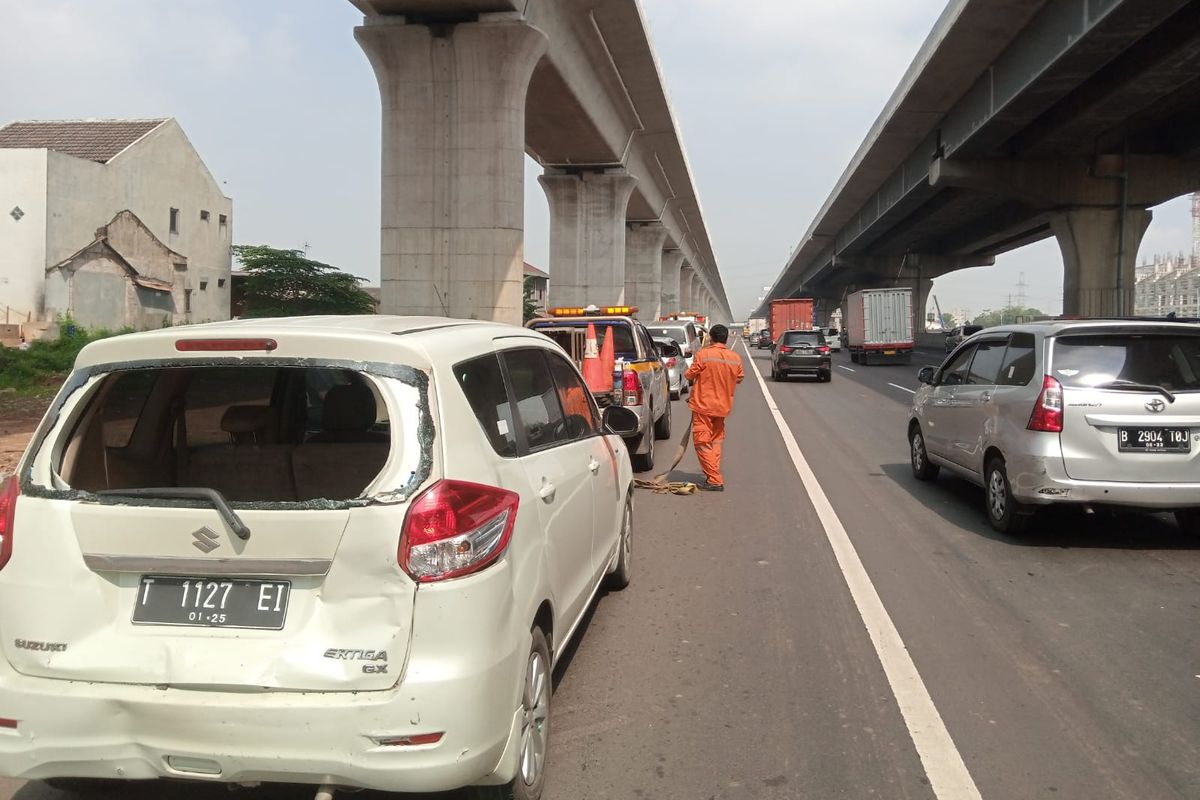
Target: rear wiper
188, 493
1136, 387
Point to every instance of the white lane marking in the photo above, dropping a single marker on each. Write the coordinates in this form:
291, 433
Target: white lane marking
901, 388
845, 368
944, 766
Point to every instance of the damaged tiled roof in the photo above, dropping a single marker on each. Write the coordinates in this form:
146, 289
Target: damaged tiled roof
91, 139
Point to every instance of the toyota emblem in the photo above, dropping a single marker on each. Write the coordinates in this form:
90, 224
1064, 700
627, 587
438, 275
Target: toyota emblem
1155, 405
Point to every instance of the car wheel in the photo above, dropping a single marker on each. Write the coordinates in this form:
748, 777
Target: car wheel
1188, 519
644, 462
922, 469
623, 571
536, 691
1005, 513
662, 426
853, 357
675, 395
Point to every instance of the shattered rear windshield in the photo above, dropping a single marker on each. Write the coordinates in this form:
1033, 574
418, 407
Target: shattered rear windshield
256, 434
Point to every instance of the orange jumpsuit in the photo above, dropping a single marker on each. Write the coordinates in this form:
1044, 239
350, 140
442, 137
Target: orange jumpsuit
715, 373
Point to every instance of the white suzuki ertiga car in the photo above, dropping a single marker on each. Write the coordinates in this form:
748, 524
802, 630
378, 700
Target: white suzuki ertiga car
342, 551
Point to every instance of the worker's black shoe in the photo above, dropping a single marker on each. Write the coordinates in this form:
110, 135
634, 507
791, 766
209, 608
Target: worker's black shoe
710, 487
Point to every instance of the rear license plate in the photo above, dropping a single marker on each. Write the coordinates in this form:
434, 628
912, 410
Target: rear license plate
889, 352
1154, 440
211, 602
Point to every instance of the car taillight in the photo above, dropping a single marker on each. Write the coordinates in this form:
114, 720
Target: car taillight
224, 345
823, 349
632, 388
1048, 410
670, 362
783, 348
9, 491
454, 528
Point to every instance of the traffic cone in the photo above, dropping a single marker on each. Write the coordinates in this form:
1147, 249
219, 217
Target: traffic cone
597, 379
608, 358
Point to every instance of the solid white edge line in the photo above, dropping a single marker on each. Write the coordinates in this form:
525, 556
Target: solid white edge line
845, 368
944, 766
902, 388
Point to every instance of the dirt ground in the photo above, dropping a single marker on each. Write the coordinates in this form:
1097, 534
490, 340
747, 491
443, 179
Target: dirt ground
19, 415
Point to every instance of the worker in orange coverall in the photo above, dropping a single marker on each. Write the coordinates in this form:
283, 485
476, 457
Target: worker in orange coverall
715, 373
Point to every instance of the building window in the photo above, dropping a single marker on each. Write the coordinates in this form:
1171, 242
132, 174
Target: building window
222, 220
187, 301
203, 285
174, 220
203, 215
220, 283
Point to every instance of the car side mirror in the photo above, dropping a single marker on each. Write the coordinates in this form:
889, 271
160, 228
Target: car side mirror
621, 421
926, 375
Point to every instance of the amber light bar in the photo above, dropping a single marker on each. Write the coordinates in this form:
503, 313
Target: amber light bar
224, 345
576, 311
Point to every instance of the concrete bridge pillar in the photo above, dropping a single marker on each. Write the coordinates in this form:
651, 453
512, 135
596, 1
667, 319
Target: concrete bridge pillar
587, 236
687, 286
643, 267
922, 288
672, 262
1099, 258
453, 215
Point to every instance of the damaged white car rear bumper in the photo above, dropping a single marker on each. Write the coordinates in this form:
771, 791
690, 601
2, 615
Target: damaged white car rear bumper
69, 729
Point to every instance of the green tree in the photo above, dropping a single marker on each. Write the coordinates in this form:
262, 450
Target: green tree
285, 283
1002, 316
529, 308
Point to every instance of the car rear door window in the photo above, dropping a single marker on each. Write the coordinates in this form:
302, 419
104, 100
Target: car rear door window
539, 411
985, 366
482, 381
1171, 361
1020, 360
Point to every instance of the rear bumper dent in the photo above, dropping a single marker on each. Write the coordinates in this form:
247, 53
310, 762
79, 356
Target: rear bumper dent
1041, 480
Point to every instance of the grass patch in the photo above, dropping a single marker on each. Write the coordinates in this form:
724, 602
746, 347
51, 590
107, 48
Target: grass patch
42, 368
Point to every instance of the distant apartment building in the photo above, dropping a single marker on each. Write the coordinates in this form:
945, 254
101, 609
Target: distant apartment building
114, 222
1171, 283
540, 285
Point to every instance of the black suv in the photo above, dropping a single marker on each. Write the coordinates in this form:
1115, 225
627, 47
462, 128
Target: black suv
801, 353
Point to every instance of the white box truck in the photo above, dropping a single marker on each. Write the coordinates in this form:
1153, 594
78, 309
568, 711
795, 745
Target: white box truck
879, 326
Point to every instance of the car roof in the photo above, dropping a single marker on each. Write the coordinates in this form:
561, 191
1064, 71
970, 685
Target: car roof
416, 341
1054, 327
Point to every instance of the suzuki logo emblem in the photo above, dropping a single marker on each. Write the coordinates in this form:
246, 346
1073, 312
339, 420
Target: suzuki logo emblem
1155, 405
206, 540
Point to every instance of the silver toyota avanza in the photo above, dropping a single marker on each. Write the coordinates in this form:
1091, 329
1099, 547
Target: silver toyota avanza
1090, 412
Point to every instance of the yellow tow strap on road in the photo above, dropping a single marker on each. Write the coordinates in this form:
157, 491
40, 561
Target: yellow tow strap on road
659, 483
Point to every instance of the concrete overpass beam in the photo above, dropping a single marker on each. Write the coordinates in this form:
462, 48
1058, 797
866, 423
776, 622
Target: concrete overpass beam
643, 267
672, 262
1099, 251
453, 215
587, 235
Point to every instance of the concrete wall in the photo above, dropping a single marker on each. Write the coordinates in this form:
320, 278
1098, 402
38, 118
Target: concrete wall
23, 241
160, 172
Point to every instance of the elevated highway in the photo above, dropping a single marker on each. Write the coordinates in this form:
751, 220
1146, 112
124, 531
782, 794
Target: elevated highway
468, 87
1018, 120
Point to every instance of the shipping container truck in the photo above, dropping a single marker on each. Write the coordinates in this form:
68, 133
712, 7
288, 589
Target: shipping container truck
879, 326
793, 314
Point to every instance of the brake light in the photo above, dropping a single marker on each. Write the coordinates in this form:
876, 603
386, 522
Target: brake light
631, 387
783, 348
9, 491
455, 528
224, 345
1048, 410
823, 349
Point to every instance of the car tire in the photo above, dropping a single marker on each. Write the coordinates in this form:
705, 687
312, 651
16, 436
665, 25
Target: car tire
644, 462
827, 376
1005, 513
623, 571
918, 456
1188, 519
677, 394
853, 357
662, 425
537, 688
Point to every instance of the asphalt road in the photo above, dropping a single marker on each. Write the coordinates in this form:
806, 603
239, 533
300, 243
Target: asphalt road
1065, 664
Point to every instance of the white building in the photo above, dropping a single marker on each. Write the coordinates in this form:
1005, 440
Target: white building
1171, 284
61, 182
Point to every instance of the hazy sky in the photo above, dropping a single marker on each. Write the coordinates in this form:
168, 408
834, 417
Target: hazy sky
772, 96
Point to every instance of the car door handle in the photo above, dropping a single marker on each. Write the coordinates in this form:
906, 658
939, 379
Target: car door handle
594, 466
547, 491
986, 397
